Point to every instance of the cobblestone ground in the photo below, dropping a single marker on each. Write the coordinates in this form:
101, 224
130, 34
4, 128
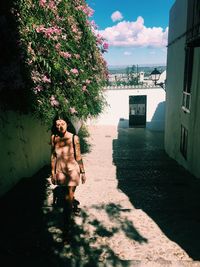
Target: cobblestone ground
138, 208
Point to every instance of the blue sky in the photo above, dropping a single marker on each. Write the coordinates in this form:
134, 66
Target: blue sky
136, 30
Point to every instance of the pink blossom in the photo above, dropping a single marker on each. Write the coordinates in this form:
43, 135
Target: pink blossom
86, 9
84, 88
74, 28
42, 3
55, 38
94, 25
36, 76
72, 110
88, 22
41, 28
74, 71
77, 56
100, 39
87, 81
48, 32
54, 102
52, 5
90, 11
57, 46
65, 54
38, 89
30, 62
45, 79
58, 18
105, 46
52, 30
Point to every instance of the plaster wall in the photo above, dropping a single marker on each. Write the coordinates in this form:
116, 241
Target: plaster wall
117, 111
174, 82
24, 148
175, 115
194, 119
174, 93
177, 20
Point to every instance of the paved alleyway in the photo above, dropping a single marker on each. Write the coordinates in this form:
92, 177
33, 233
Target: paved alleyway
138, 208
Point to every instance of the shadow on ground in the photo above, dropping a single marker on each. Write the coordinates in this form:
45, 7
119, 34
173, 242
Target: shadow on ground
24, 237
159, 186
33, 233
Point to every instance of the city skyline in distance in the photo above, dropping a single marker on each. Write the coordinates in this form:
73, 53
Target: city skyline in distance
139, 65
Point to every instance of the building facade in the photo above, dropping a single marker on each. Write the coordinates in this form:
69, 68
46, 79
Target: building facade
182, 127
133, 106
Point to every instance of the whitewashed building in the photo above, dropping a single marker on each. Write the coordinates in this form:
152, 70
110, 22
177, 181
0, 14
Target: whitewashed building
118, 77
162, 79
133, 106
182, 130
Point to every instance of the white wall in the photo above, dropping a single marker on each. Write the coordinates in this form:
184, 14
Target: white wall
194, 120
177, 21
118, 107
162, 78
174, 83
174, 92
24, 148
175, 116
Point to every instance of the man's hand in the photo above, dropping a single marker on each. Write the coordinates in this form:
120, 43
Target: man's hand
83, 178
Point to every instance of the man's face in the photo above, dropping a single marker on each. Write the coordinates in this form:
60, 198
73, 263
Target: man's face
61, 126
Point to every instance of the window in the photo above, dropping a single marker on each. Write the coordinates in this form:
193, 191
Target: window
189, 55
193, 23
184, 141
137, 109
186, 102
192, 41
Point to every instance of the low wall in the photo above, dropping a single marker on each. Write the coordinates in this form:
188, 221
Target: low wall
24, 148
117, 111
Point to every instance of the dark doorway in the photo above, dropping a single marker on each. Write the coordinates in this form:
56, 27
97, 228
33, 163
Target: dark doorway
137, 110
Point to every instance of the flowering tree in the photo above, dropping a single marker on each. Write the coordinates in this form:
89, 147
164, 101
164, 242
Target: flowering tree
65, 69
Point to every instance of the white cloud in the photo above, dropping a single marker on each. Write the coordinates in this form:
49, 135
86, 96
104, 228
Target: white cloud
126, 53
116, 16
135, 34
